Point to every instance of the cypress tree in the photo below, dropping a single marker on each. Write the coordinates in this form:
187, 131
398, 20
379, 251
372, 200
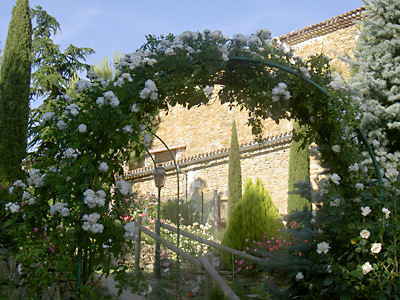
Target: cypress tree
14, 93
254, 215
299, 169
234, 173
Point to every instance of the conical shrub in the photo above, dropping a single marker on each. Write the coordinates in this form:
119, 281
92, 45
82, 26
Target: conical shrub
254, 215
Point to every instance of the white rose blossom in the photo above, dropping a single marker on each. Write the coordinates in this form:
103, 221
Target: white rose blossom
280, 90
366, 268
207, 91
130, 231
386, 212
336, 148
376, 248
365, 234
323, 248
359, 186
82, 128
134, 108
365, 211
299, 276
103, 167
335, 178
124, 187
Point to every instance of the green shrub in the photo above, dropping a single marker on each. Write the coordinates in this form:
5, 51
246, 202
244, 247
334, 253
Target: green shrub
254, 216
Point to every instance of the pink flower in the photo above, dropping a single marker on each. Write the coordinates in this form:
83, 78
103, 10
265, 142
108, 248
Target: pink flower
238, 270
22, 203
300, 254
35, 229
246, 240
51, 249
165, 265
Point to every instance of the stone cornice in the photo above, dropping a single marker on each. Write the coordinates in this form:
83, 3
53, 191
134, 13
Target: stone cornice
268, 142
339, 22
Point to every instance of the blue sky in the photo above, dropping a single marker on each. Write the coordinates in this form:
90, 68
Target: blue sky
109, 25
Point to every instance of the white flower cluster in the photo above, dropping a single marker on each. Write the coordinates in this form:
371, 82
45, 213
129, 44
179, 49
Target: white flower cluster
280, 90
130, 231
137, 59
13, 207
127, 129
323, 185
35, 179
82, 85
93, 199
27, 196
70, 153
92, 75
59, 207
147, 139
67, 98
120, 81
134, 108
124, 187
108, 97
208, 90
61, 125
16, 184
149, 91
91, 224
47, 117
72, 110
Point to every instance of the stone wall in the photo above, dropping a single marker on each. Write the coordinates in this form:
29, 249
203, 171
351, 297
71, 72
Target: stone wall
268, 161
336, 45
207, 129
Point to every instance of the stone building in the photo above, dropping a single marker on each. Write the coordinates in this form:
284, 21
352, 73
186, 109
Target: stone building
199, 138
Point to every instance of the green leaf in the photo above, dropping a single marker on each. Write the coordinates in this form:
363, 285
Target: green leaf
328, 281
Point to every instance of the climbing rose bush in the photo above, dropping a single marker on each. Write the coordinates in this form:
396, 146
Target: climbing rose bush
72, 206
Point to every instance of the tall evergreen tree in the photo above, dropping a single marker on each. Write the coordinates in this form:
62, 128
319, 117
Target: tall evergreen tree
234, 173
14, 93
377, 77
299, 169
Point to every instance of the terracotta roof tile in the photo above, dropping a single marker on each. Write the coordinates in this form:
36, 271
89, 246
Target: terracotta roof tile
339, 22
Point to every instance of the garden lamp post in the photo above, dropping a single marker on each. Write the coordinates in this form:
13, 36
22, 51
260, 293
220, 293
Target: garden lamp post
159, 180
